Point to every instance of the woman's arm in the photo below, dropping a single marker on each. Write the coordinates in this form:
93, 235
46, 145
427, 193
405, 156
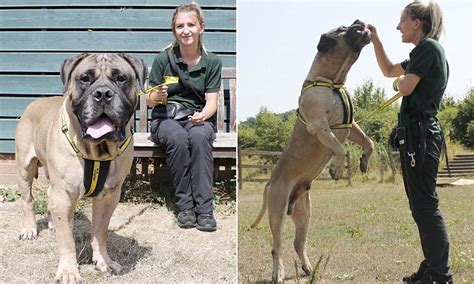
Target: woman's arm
407, 84
388, 68
208, 111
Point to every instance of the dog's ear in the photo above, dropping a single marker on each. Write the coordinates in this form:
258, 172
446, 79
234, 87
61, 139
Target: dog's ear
138, 66
325, 43
69, 65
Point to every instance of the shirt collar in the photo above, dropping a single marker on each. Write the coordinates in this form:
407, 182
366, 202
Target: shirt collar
202, 62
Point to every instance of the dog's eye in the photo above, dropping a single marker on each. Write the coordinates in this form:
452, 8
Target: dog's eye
121, 78
84, 78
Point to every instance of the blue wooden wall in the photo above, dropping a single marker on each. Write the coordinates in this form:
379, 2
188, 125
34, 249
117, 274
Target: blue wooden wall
36, 36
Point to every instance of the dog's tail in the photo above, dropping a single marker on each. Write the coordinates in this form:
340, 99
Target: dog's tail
262, 209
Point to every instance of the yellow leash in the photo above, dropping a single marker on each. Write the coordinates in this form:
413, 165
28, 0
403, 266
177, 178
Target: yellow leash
382, 107
388, 102
167, 81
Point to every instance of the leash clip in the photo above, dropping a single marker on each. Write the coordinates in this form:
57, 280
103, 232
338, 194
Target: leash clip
412, 162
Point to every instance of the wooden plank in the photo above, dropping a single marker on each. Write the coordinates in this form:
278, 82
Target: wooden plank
224, 146
223, 140
18, 62
104, 41
31, 84
233, 105
7, 128
118, 18
220, 109
111, 3
13, 107
258, 153
7, 146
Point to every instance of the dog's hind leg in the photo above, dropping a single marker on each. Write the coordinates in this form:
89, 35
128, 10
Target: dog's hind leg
300, 217
27, 170
102, 210
278, 196
358, 136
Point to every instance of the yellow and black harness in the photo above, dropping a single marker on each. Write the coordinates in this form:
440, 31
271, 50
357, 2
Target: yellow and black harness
347, 106
95, 171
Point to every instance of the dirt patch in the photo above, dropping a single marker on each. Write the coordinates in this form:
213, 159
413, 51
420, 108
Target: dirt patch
144, 238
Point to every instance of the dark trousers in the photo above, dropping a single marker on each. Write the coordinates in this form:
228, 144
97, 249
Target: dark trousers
189, 157
420, 187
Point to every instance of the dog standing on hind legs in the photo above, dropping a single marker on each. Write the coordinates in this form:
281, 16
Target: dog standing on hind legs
325, 121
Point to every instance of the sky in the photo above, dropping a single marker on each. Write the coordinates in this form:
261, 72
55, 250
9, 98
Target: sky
277, 42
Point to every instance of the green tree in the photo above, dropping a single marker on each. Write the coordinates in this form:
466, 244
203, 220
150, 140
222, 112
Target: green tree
463, 122
368, 98
448, 111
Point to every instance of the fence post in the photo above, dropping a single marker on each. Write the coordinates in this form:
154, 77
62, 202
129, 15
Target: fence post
239, 168
390, 159
349, 169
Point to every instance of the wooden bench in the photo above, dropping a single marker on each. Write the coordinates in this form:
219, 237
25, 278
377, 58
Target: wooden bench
225, 144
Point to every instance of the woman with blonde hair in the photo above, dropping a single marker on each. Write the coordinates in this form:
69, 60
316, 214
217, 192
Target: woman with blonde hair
187, 80
421, 80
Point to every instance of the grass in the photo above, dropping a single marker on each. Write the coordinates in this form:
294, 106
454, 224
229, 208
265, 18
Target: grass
365, 230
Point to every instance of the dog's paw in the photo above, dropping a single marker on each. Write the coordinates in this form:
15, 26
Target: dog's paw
335, 172
28, 234
111, 267
307, 269
68, 276
364, 163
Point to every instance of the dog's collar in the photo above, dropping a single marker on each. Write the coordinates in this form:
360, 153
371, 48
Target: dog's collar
346, 103
67, 133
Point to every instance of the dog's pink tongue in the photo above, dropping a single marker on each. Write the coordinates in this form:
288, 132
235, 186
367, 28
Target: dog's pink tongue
101, 127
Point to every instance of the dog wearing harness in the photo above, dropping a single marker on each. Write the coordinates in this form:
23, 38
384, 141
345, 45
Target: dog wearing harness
325, 120
82, 140
347, 107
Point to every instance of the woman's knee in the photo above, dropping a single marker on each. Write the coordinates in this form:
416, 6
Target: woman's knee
201, 136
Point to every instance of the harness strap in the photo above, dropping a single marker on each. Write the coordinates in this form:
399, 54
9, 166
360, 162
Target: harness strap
95, 171
347, 107
95, 174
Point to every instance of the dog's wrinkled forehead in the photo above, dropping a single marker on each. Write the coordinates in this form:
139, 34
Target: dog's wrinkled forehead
104, 64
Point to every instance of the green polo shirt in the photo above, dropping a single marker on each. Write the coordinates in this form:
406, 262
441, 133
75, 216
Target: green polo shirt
205, 77
428, 61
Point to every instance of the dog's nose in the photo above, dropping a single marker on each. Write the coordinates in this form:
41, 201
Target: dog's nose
103, 94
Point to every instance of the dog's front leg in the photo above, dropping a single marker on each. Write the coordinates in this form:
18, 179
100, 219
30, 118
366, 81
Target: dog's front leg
358, 136
62, 205
320, 128
102, 209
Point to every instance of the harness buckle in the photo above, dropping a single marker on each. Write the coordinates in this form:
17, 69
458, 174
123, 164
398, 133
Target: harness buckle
412, 156
64, 128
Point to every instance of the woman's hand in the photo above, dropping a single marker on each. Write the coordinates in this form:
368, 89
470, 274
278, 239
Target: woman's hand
158, 94
197, 118
374, 37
